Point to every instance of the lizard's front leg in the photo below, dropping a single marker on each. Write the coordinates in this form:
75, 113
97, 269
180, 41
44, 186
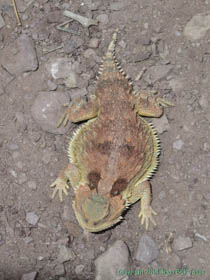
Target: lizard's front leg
69, 174
80, 110
142, 191
150, 105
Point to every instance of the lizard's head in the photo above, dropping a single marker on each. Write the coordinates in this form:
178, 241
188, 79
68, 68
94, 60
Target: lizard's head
95, 212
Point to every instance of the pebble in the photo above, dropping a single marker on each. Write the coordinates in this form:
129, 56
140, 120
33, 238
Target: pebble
147, 250
2, 90
174, 261
59, 68
29, 276
122, 44
178, 144
72, 80
103, 19
161, 124
59, 269
28, 239
78, 93
73, 228
20, 121
79, 269
197, 27
157, 73
204, 100
109, 263
47, 110
26, 58
22, 178
93, 43
65, 254
162, 195
51, 85
13, 147
116, 6
176, 85
89, 53
32, 218
70, 46
182, 243
2, 22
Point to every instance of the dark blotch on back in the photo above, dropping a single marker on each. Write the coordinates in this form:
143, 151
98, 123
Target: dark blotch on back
93, 178
104, 148
118, 186
129, 148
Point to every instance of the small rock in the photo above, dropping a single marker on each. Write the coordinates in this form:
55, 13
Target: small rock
157, 73
20, 121
13, 146
73, 228
28, 239
204, 100
175, 84
65, 254
197, 27
103, 19
78, 93
46, 157
174, 261
178, 144
79, 269
89, 53
182, 243
22, 178
141, 56
147, 250
25, 60
110, 262
162, 195
29, 276
70, 46
59, 269
161, 124
59, 68
116, 6
93, 43
122, 44
72, 80
105, 236
2, 22
32, 218
51, 85
2, 90
48, 109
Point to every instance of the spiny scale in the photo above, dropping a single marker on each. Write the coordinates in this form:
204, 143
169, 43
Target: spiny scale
109, 61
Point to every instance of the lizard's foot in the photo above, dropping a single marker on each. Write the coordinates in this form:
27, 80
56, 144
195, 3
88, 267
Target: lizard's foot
59, 186
146, 215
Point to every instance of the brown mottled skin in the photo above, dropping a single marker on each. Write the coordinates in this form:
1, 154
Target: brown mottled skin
114, 153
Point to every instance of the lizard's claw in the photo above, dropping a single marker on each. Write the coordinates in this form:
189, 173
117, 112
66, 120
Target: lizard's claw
64, 118
164, 103
59, 186
146, 215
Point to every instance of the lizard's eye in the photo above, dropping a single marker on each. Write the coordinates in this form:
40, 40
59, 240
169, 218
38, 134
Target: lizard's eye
93, 178
118, 186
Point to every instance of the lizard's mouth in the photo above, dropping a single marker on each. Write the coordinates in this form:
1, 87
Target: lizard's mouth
95, 212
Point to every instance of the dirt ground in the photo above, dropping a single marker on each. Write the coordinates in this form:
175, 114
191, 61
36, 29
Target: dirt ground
35, 230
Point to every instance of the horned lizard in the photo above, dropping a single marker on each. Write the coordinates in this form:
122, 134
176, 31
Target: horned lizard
114, 153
